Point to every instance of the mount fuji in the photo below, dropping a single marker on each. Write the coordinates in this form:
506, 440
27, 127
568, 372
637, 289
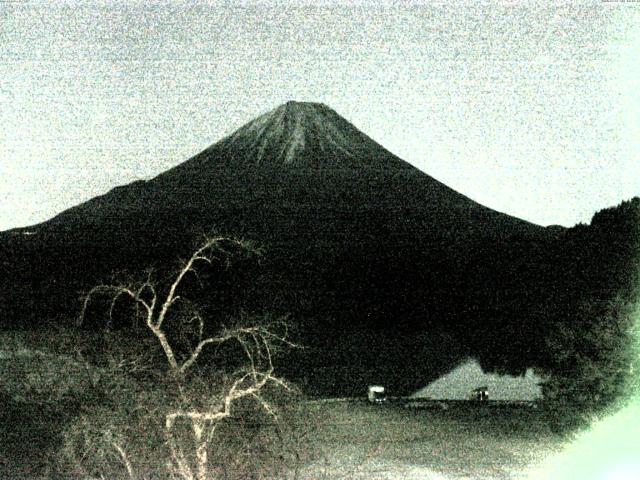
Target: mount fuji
379, 265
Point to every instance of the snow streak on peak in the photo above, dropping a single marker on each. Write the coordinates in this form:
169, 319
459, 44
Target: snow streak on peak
303, 133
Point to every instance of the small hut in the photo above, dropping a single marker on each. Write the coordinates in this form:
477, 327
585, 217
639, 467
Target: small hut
480, 394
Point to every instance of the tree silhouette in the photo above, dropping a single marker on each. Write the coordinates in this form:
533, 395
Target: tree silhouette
157, 306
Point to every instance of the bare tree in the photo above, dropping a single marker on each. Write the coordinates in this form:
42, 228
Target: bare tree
154, 304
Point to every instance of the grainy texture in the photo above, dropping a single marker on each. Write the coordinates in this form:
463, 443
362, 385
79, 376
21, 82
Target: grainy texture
528, 109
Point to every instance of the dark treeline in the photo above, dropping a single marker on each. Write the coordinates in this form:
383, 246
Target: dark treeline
386, 274
368, 308
593, 309
568, 309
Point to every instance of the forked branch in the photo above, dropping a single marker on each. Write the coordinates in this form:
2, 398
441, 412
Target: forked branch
145, 296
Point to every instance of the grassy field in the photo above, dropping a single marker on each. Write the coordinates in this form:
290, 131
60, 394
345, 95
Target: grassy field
357, 440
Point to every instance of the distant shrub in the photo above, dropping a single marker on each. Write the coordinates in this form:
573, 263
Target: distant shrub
595, 362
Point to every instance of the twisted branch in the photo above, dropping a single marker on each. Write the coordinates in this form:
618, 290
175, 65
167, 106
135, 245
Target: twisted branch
256, 342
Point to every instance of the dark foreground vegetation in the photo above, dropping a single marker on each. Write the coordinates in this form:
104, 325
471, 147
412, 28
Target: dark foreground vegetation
96, 406
73, 404
141, 384
94, 403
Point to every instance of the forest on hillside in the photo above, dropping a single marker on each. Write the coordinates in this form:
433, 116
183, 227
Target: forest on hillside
561, 303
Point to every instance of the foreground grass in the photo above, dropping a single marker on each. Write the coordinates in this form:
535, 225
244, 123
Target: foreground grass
469, 441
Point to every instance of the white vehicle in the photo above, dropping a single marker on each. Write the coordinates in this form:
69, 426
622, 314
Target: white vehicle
376, 394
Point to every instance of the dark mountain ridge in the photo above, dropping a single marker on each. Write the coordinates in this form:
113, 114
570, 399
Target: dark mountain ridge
381, 267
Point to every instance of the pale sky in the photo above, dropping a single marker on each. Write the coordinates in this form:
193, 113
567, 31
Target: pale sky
531, 109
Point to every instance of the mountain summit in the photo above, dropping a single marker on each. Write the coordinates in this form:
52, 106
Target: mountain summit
302, 130
297, 136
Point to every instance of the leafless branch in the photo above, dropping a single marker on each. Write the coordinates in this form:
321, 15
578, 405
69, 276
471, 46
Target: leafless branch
125, 460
